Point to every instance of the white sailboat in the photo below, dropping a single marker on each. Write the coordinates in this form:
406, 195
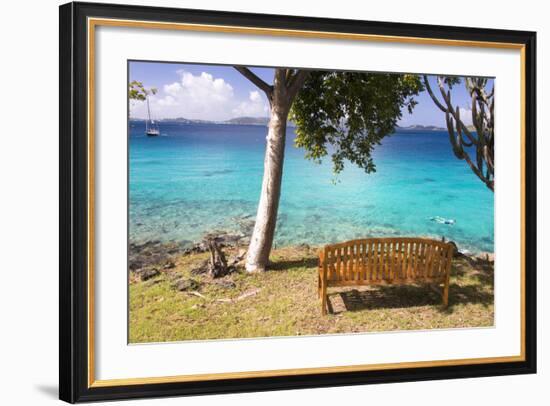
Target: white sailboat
151, 126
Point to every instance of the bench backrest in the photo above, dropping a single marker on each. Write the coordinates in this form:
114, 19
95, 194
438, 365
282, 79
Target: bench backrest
387, 260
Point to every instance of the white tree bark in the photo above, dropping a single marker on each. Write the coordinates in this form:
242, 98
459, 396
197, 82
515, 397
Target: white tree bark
266, 217
286, 84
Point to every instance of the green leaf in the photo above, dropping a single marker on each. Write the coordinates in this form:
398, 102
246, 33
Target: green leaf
349, 113
136, 91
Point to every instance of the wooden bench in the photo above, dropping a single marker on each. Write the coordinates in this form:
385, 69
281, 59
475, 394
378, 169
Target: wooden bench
377, 261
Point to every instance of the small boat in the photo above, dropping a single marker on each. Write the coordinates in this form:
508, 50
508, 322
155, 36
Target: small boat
152, 129
151, 126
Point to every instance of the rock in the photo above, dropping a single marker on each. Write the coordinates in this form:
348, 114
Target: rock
152, 282
153, 254
184, 285
148, 273
486, 256
245, 241
169, 264
221, 238
197, 248
226, 283
135, 264
457, 253
201, 269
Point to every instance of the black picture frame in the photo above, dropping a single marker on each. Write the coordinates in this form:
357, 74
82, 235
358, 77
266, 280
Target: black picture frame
73, 284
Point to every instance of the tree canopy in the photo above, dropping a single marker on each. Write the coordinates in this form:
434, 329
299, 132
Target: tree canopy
349, 113
136, 91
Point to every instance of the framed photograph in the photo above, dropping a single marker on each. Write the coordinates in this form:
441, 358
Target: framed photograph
257, 202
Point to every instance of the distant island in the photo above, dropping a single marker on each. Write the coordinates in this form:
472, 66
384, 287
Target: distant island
263, 121
249, 120
419, 127
235, 121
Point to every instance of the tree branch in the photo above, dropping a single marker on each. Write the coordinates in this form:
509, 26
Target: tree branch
482, 120
432, 95
447, 98
296, 82
247, 73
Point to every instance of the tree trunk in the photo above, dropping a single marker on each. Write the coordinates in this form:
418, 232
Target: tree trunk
266, 217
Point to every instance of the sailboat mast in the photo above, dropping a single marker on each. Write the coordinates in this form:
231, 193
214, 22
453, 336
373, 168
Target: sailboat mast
151, 128
148, 113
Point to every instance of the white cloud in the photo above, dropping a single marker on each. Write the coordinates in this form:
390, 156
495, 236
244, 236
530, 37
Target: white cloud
255, 96
201, 97
466, 116
172, 89
255, 106
193, 96
168, 101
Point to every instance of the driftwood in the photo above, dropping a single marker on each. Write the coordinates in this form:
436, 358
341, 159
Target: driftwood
195, 293
245, 295
217, 266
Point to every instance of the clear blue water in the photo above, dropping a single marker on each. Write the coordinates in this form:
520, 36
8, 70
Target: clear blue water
197, 178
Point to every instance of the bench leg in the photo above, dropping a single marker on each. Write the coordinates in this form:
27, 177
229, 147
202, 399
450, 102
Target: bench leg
446, 295
323, 300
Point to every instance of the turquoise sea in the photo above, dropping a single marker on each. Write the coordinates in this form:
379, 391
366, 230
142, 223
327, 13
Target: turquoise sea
197, 178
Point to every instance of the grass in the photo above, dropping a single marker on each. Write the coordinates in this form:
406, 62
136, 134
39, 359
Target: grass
283, 302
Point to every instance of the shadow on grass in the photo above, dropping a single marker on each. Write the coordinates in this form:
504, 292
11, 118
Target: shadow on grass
288, 265
393, 297
479, 268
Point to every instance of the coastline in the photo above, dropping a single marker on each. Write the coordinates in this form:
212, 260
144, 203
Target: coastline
154, 252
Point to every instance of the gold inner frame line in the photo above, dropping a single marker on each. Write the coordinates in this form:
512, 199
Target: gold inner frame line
94, 22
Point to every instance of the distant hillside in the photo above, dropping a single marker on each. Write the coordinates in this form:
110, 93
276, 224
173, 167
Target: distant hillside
180, 120
419, 127
235, 121
264, 121
185, 121
249, 120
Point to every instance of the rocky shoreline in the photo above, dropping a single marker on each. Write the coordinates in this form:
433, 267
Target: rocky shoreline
151, 258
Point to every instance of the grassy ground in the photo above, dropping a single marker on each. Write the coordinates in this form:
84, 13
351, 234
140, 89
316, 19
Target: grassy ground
283, 302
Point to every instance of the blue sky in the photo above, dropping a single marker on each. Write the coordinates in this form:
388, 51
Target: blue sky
213, 92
